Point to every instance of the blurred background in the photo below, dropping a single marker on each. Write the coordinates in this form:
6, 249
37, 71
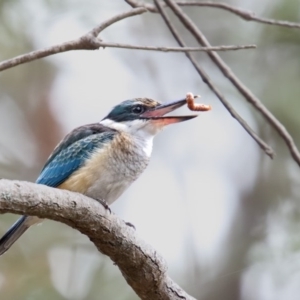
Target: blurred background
224, 216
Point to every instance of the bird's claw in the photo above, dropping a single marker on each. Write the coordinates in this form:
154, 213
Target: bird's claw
105, 205
130, 225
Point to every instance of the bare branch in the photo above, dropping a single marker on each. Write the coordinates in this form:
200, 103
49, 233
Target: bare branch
176, 49
82, 44
249, 96
90, 41
142, 267
266, 148
25, 58
137, 11
136, 3
244, 14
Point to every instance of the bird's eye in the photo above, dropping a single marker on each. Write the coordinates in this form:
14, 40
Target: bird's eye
138, 109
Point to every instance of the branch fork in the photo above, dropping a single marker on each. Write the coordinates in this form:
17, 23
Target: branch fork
91, 41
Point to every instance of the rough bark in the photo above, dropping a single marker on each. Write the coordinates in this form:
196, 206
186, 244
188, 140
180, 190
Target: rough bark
142, 267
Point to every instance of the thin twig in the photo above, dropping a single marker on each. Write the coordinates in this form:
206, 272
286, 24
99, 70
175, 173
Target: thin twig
244, 14
90, 41
137, 11
268, 150
176, 49
249, 96
25, 58
96, 44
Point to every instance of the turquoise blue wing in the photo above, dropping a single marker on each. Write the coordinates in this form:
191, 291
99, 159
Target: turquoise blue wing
72, 153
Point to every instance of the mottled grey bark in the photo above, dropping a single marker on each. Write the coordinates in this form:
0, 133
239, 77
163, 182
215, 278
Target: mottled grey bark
142, 267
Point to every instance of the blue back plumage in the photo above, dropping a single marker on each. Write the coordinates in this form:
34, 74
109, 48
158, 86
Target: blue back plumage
66, 158
73, 152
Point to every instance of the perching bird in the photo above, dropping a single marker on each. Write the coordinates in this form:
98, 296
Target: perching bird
101, 160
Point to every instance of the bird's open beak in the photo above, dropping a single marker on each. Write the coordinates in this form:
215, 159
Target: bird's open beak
156, 114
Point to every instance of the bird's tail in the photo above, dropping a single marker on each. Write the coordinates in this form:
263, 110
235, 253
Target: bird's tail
14, 233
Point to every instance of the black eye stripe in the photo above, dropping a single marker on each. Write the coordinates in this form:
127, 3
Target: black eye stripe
138, 109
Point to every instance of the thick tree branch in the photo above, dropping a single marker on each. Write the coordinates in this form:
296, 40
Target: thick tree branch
142, 267
90, 41
244, 14
227, 72
263, 145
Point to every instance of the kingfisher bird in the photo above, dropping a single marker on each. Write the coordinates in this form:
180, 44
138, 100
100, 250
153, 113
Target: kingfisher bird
101, 160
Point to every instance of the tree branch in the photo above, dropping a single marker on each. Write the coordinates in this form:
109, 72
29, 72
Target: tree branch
176, 49
142, 267
136, 11
227, 72
249, 96
244, 14
90, 41
263, 145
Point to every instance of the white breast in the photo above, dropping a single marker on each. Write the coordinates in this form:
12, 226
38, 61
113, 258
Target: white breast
116, 166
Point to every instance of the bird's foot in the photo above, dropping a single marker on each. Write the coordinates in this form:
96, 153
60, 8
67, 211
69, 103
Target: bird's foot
130, 225
105, 205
